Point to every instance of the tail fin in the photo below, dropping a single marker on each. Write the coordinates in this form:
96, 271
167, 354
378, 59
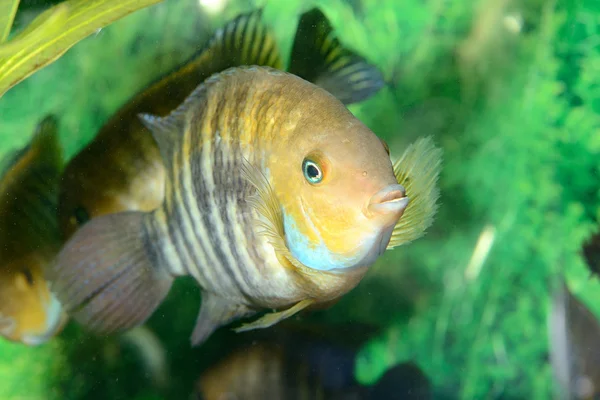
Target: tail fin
105, 276
319, 57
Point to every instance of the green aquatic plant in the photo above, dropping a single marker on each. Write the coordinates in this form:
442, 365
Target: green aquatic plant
53, 32
8, 10
519, 197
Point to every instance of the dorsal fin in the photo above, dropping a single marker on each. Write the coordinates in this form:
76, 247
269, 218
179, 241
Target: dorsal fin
165, 131
45, 137
28, 191
319, 57
244, 40
169, 129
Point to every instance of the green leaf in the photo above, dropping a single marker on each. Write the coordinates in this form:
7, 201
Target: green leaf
8, 9
55, 31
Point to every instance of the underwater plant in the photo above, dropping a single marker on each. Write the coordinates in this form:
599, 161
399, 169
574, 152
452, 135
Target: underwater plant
53, 32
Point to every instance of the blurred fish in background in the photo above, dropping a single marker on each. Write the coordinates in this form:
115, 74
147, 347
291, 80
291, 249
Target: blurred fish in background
305, 361
121, 168
30, 238
574, 346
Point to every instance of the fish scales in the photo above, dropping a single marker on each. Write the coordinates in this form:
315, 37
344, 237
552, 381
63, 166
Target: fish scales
198, 207
212, 169
227, 192
216, 238
182, 238
205, 185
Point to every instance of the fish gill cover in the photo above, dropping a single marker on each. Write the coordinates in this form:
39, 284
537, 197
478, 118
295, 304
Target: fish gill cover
508, 89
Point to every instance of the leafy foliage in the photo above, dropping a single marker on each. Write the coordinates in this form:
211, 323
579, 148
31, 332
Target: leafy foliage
54, 31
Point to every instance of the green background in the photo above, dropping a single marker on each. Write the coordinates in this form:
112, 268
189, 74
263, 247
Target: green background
510, 91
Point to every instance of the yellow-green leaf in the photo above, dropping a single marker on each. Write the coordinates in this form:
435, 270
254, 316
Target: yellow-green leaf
8, 9
55, 31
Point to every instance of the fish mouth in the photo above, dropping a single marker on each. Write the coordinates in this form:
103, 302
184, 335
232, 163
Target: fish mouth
390, 200
55, 321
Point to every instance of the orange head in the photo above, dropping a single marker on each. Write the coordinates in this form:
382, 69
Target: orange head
29, 313
336, 185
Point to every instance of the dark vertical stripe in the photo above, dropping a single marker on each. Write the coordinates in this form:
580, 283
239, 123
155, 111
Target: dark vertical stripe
181, 210
230, 194
205, 198
201, 192
175, 220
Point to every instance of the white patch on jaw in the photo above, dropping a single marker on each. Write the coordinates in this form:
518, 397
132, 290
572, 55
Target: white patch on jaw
7, 325
317, 257
54, 319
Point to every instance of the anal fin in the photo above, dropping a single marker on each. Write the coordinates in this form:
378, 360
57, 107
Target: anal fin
271, 319
216, 311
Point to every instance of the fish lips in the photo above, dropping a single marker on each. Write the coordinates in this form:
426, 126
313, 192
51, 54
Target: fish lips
390, 201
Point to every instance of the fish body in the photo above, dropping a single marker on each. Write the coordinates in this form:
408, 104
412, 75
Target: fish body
289, 365
30, 238
277, 197
131, 176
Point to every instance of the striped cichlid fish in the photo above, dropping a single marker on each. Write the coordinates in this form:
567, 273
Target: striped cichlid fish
132, 174
29, 238
277, 197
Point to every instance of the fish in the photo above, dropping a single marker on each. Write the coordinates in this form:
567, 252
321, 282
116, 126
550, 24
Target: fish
30, 238
277, 198
288, 363
132, 174
574, 336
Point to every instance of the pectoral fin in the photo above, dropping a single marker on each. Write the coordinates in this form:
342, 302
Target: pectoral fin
417, 170
271, 319
271, 221
215, 312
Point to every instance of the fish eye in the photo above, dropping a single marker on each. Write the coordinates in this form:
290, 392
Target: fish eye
81, 215
312, 171
385, 146
28, 276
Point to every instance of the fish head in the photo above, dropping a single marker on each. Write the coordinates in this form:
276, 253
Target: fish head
338, 192
29, 313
